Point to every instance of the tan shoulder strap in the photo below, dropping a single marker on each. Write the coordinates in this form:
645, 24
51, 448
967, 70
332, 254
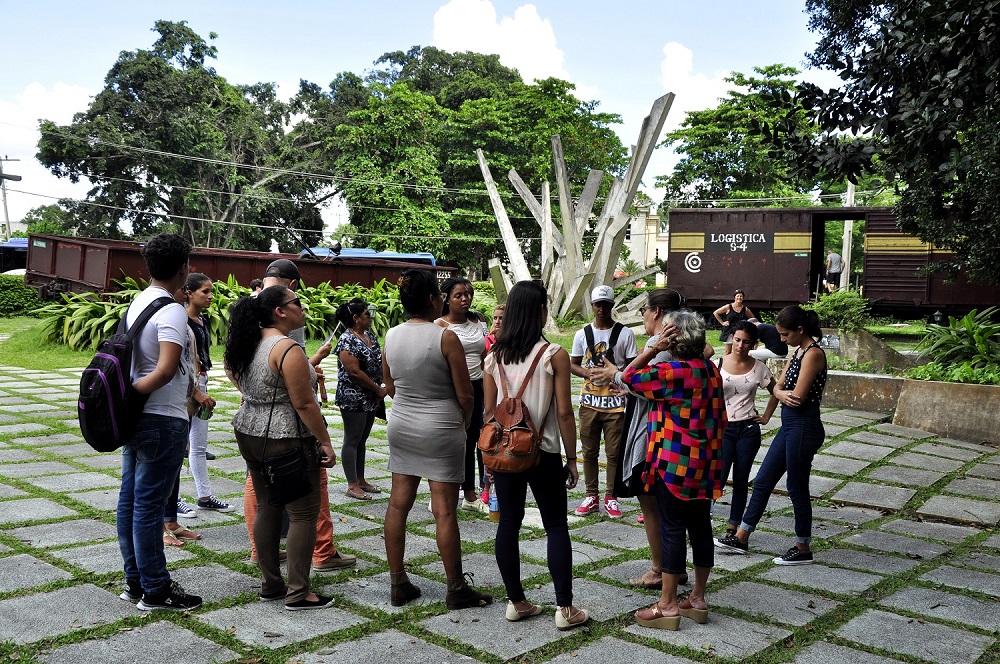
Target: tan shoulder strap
527, 378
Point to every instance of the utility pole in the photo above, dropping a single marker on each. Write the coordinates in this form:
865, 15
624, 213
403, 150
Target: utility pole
845, 252
3, 188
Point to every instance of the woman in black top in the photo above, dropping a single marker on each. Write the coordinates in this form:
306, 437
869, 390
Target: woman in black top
797, 441
729, 315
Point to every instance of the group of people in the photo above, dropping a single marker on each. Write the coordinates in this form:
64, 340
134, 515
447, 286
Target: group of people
675, 424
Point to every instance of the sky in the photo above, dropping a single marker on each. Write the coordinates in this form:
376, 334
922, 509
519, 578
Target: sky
623, 55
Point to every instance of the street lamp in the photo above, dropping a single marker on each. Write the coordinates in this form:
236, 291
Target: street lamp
3, 188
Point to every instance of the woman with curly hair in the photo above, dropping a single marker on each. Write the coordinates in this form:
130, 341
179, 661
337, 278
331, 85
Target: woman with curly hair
426, 375
279, 410
359, 391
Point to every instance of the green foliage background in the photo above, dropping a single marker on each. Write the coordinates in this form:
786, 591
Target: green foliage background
82, 321
16, 299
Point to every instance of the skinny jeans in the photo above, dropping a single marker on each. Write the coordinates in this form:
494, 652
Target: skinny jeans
548, 486
357, 427
739, 448
792, 451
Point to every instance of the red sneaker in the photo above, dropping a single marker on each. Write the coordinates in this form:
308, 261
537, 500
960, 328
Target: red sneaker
612, 508
589, 505
641, 519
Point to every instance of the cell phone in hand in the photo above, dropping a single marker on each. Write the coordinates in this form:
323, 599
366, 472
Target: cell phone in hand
329, 338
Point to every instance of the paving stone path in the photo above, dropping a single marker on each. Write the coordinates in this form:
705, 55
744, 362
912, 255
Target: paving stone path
907, 558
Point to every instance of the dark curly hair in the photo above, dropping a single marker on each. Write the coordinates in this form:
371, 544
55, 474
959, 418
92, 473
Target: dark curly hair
448, 285
165, 254
522, 322
246, 318
348, 310
415, 289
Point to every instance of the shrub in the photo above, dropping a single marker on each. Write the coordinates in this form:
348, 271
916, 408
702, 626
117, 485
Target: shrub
964, 372
974, 338
844, 309
83, 321
485, 288
16, 299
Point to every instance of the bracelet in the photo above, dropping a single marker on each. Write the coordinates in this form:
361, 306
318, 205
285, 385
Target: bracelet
568, 459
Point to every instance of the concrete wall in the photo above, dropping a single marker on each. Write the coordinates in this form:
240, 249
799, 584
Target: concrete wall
875, 393
954, 410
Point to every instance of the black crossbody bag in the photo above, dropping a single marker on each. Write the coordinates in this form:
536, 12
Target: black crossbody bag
286, 475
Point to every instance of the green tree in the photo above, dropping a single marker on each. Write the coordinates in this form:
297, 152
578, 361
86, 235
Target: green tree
722, 154
164, 102
918, 106
389, 154
48, 220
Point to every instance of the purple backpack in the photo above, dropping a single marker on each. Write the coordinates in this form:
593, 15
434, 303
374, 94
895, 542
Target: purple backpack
109, 407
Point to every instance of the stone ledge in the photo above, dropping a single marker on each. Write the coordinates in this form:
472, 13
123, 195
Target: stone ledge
954, 410
876, 393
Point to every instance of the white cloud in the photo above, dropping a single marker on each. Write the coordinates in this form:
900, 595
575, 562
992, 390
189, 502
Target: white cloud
524, 41
19, 140
695, 91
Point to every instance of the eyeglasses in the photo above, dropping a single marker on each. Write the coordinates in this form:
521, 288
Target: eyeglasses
643, 310
296, 301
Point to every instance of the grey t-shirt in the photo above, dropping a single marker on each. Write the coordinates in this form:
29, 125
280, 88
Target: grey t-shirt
836, 262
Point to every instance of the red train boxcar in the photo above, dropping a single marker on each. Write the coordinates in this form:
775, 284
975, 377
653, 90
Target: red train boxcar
58, 264
776, 255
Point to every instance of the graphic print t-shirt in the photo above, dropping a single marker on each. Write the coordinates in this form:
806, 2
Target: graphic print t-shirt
602, 397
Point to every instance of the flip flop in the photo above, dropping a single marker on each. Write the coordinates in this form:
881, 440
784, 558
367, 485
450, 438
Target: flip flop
184, 534
169, 539
641, 582
363, 496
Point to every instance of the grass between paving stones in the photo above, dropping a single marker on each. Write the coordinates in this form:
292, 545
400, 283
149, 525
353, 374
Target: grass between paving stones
823, 627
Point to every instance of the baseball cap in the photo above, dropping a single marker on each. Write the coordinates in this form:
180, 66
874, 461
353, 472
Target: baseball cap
282, 268
602, 294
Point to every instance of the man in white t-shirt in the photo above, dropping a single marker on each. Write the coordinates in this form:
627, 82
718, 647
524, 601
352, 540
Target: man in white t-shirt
601, 410
151, 460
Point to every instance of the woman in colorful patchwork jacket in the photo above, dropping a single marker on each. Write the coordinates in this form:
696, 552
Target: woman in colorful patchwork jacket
683, 458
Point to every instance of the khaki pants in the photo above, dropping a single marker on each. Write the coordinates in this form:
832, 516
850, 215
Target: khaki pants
592, 424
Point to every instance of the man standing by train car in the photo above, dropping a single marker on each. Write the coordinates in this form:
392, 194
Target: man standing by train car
600, 409
834, 266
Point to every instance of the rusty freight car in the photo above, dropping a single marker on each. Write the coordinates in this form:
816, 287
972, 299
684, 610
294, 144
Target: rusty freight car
776, 255
58, 264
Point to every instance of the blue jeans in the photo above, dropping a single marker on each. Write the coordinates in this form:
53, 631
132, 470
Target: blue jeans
792, 451
548, 487
739, 449
151, 461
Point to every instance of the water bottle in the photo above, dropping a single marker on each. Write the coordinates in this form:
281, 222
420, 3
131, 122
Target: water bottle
494, 507
205, 412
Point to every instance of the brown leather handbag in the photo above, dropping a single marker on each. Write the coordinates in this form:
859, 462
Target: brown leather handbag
509, 440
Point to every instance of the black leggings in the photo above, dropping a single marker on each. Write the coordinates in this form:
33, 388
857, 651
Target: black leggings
549, 489
472, 440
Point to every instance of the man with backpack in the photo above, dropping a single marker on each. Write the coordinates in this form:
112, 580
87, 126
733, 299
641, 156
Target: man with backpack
601, 411
152, 456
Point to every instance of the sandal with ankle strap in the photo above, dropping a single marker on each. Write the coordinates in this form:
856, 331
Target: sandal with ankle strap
641, 581
565, 622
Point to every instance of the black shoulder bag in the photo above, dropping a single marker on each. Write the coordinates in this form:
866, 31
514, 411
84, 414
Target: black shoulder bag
285, 475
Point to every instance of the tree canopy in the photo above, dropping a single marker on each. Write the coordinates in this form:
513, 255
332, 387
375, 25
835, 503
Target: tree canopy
919, 106
170, 143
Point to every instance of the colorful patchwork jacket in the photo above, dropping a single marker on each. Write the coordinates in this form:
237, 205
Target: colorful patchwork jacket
686, 425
